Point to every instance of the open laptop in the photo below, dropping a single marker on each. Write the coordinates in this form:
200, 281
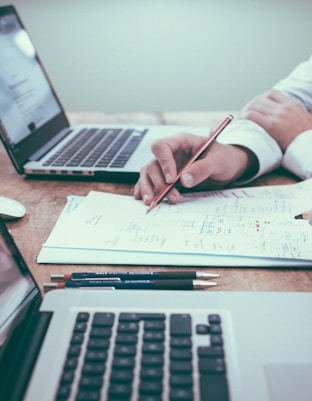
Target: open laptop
36, 133
149, 345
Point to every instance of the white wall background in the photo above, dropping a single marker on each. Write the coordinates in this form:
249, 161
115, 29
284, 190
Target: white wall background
156, 55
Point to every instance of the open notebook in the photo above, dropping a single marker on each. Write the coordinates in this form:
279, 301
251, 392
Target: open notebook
149, 345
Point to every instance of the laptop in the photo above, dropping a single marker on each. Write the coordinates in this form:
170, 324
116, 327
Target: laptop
36, 132
149, 345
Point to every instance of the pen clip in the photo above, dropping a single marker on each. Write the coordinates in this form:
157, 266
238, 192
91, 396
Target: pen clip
97, 279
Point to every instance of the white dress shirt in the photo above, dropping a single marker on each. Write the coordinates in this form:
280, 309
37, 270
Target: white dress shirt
298, 156
298, 86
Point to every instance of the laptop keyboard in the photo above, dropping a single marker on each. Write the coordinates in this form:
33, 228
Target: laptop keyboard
97, 147
144, 357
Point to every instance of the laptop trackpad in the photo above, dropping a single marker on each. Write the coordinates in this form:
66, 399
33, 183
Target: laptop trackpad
289, 382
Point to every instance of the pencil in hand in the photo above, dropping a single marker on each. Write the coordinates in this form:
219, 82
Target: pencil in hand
159, 197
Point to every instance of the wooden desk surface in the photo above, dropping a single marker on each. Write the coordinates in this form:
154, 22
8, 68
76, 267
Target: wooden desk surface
45, 199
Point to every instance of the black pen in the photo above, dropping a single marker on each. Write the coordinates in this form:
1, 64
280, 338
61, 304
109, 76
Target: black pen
134, 285
117, 276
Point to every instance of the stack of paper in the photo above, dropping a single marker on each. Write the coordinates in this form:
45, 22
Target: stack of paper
234, 227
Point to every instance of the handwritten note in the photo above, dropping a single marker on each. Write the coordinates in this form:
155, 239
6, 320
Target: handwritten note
255, 223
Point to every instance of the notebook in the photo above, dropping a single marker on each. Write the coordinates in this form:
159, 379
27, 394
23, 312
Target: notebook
35, 130
149, 345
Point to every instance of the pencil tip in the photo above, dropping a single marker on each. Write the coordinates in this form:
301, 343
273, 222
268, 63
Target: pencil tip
300, 216
152, 206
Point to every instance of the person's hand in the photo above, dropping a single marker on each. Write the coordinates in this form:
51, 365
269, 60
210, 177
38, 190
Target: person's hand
220, 165
281, 117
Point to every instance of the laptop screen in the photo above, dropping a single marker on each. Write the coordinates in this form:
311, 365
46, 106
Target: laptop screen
26, 99
17, 287
30, 113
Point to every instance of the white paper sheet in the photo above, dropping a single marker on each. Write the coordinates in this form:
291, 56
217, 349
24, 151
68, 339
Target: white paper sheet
235, 227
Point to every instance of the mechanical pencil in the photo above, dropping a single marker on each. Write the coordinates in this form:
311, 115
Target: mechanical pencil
115, 276
134, 285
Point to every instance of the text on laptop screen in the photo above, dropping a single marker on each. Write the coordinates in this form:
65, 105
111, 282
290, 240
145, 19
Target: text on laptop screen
26, 99
16, 286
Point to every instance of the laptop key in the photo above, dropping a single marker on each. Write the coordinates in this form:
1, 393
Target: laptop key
98, 343
180, 354
181, 380
214, 318
121, 375
182, 394
135, 317
181, 342
125, 338
212, 365
152, 360
210, 351
150, 387
150, 397
180, 367
91, 368
128, 327
88, 396
151, 373
100, 332
123, 363
119, 390
180, 325
103, 319
213, 387
154, 336
216, 339
91, 382
154, 325
129, 350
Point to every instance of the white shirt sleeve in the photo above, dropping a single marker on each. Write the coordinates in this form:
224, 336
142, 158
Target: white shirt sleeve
297, 158
298, 155
298, 84
247, 134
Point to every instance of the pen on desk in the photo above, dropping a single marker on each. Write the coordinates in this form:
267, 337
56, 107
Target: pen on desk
158, 198
153, 275
135, 285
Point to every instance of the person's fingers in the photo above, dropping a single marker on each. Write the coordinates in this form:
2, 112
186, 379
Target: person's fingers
277, 96
164, 153
174, 152
259, 107
151, 182
220, 165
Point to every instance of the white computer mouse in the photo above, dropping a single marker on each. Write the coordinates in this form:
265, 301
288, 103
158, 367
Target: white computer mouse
11, 209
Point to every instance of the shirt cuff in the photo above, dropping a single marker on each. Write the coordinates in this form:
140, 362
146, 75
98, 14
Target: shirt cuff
298, 158
247, 134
